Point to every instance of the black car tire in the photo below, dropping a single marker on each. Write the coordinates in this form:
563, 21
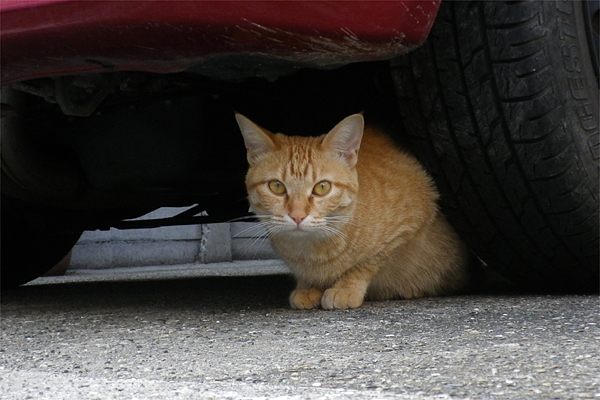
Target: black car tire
501, 104
33, 241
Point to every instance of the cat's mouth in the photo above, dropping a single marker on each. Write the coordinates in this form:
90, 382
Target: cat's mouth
310, 226
299, 229
308, 229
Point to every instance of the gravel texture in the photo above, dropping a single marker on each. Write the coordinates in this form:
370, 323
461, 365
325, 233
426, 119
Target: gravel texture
236, 338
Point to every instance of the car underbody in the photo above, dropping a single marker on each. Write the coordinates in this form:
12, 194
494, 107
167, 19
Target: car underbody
159, 140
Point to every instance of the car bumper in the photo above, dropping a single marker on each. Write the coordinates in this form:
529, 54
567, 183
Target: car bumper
45, 38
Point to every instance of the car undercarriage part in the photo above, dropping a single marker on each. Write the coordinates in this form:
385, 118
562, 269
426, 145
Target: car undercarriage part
195, 215
502, 105
32, 161
151, 143
165, 140
79, 96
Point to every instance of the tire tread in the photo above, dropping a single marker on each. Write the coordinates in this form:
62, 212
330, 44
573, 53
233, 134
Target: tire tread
492, 130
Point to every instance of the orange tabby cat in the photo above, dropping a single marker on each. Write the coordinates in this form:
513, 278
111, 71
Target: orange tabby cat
351, 224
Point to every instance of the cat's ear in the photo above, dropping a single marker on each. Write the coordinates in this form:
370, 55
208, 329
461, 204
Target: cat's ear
344, 139
257, 140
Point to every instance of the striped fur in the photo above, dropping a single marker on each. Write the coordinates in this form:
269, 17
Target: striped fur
377, 234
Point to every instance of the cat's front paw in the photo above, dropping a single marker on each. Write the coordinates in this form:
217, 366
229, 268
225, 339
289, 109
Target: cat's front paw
335, 298
305, 299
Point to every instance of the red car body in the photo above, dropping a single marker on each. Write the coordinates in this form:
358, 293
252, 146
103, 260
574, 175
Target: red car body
44, 38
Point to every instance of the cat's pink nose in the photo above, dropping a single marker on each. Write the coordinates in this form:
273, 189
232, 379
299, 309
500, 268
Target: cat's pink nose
297, 217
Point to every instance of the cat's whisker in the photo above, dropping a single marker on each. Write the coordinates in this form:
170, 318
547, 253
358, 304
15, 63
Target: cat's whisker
339, 219
270, 229
257, 227
243, 219
253, 244
329, 230
249, 218
336, 228
273, 227
254, 233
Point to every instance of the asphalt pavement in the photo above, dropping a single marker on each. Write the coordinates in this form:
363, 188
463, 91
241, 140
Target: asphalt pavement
235, 337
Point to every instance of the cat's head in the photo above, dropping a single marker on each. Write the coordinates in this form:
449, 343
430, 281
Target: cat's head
303, 185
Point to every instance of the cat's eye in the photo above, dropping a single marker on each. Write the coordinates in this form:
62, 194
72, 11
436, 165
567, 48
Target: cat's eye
322, 188
277, 187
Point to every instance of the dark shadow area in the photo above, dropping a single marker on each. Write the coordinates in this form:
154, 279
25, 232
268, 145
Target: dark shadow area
204, 295
201, 294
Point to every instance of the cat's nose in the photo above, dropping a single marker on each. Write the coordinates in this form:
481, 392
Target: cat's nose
297, 217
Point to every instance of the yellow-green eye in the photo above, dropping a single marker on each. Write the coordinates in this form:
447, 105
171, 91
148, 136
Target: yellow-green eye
322, 188
277, 187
